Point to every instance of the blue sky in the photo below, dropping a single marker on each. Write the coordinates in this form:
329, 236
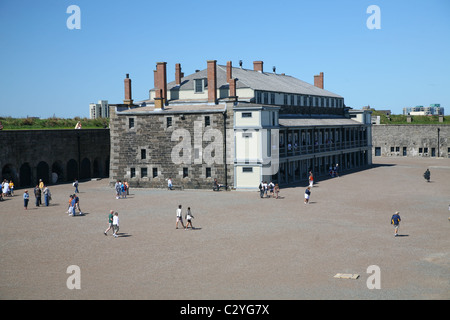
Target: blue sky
48, 69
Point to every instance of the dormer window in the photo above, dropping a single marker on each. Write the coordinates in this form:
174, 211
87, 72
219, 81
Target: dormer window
199, 85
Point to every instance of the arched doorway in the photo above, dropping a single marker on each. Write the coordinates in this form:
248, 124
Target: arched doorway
57, 172
43, 172
85, 172
72, 170
25, 175
9, 173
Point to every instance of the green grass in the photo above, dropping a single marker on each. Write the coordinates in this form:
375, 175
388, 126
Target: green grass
402, 119
51, 123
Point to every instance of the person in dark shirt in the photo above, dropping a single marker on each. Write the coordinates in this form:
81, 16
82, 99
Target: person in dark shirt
395, 221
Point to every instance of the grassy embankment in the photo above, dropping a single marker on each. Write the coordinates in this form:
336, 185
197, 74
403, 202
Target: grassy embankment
51, 123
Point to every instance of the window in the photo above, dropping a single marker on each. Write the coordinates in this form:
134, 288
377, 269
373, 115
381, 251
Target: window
199, 85
420, 150
168, 122
377, 151
425, 150
258, 96
392, 149
285, 98
247, 169
266, 97
155, 172
196, 153
208, 172
272, 98
246, 114
185, 172
292, 99
132, 172
207, 121
397, 149
130, 123
143, 154
143, 172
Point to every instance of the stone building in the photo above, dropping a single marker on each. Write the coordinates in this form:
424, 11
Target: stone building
55, 156
240, 126
411, 140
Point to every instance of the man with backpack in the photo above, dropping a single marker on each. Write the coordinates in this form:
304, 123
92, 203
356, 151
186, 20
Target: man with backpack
395, 221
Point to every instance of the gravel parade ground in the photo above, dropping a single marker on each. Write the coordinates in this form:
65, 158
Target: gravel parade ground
242, 247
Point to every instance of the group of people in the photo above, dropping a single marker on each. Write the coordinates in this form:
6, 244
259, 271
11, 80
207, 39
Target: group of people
188, 216
74, 204
40, 190
334, 171
6, 189
122, 189
113, 223
266, 190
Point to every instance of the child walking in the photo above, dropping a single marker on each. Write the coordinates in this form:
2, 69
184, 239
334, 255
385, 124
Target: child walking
189, 216
115, 224
307, 194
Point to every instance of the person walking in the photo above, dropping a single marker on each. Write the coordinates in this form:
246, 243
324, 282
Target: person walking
307, 194
115, 224
75, 184
261, 189
276, 190
427, 175
26, 198
395, 221
189, 218
110, 222
179, 217
77, 204
169, 184
311, 179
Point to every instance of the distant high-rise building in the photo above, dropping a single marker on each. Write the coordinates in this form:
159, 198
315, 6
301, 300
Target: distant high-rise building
99, 110
433, 109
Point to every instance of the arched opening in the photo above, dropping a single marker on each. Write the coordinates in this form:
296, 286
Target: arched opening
25, 175
85, 172
72, 170
9, 173
57, 172
43, 172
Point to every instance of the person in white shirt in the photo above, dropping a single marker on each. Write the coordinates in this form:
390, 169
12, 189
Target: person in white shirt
115, 224
179, 217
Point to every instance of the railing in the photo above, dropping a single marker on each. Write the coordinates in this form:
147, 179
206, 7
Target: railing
290, 151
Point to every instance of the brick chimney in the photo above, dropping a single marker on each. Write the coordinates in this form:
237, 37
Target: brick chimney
127, 82
258, 66
232, 83
178, 74
229, 71
161, 80
318, 80
212, 81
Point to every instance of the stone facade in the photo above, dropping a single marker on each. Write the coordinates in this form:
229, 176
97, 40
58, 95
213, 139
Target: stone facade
29, 155
411, 140
149, 148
